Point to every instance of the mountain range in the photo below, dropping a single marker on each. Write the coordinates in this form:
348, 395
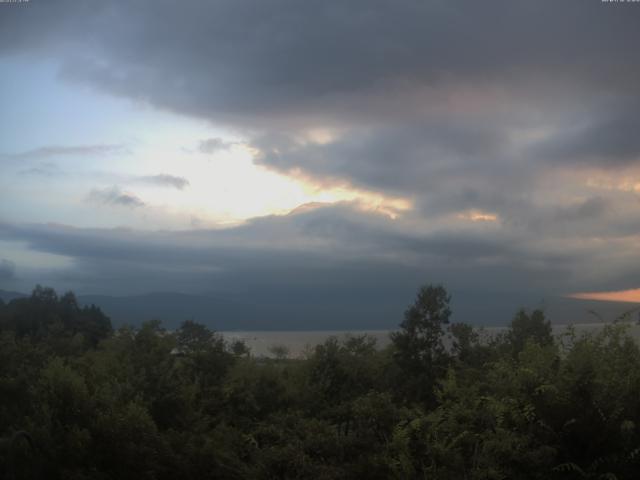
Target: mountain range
229, 312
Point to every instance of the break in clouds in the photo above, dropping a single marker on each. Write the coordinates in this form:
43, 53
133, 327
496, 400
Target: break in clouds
511, 129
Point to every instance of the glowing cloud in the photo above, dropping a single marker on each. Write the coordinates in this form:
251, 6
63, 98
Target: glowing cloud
258, 191
629, 296
365, 200
478, 216
624, 184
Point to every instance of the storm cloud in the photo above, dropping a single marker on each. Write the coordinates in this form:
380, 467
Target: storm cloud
247, 56
326, 258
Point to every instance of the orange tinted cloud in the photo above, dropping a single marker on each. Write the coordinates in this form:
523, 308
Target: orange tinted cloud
632, 296
478, 216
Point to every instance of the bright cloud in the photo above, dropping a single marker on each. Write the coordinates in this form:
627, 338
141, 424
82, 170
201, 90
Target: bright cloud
630, 296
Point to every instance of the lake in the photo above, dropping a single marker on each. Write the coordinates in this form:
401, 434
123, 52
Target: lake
297, 342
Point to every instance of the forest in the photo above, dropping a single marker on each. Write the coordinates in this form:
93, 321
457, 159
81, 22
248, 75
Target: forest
82, 400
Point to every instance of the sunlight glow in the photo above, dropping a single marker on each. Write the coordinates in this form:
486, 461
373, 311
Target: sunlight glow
624, 184
630, 296
228, 188
321, 136
160, 177
478, 216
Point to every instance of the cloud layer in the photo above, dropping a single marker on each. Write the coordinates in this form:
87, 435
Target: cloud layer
511, 127
7, 270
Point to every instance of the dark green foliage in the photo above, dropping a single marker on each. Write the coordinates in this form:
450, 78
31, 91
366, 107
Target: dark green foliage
79, 401
419, 347
44, 315
525, 327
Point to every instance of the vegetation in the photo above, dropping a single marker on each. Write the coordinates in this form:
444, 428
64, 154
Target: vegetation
81, 401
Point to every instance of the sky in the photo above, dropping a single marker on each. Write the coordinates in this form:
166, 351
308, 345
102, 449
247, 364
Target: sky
322, 152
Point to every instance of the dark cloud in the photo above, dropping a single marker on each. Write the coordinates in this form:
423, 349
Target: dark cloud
115, 196
165, 180
252, 57
7, 270
326, 259
323, 240
589, 218
607, 136
591, 208
400, 158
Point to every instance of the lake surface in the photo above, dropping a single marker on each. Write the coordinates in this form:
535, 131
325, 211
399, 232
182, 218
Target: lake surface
298, 342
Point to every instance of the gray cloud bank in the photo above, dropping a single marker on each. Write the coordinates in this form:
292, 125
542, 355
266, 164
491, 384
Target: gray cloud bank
7, 270
254, 57
335, 262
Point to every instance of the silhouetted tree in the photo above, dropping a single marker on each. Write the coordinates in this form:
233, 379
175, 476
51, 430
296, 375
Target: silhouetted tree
529, 327
148, 403
419, 350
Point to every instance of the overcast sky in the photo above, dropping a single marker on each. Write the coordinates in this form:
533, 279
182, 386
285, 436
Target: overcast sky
327, 148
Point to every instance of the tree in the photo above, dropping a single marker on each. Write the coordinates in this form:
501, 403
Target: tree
205, 360
533, 327
464, 341
420, 352
193, 337
280, 351
44, 295
239, 348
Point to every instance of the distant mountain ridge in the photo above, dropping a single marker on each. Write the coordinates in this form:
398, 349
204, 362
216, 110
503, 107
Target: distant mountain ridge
236, 311
173, 308
7, 296
251, 313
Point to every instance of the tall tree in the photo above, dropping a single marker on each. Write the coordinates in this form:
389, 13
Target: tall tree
529, 327
419, 350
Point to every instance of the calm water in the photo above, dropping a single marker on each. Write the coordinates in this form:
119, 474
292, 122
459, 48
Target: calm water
297, 342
